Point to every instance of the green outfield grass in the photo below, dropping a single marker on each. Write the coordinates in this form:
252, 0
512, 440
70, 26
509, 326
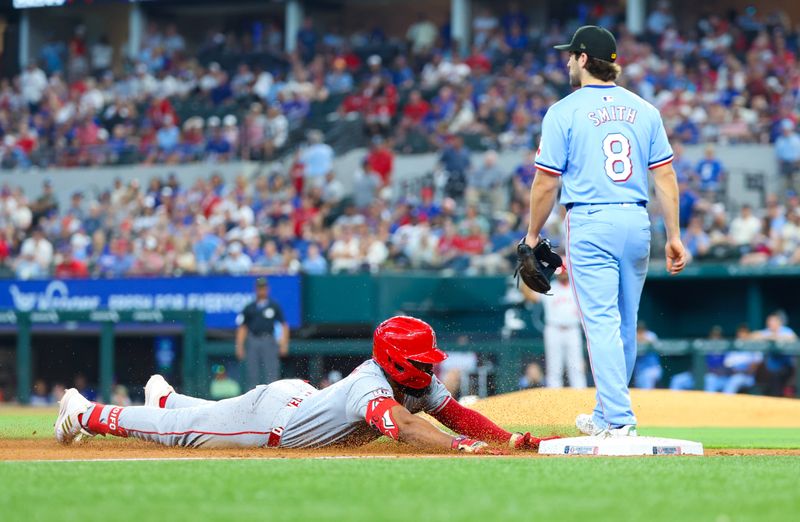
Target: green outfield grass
36, 424
371, 490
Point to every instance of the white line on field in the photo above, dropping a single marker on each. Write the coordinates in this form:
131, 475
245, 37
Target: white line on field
171, 459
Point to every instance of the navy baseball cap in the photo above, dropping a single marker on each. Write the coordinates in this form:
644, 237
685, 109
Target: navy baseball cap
595, 41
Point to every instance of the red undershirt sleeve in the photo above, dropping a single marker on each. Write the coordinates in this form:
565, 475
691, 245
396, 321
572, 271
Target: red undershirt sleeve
469, 422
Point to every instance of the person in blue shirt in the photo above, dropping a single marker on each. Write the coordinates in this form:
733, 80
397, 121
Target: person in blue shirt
787, 149
710, 171
598, 145
778, 366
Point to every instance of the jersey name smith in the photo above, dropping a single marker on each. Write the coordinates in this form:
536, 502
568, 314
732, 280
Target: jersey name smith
612, 113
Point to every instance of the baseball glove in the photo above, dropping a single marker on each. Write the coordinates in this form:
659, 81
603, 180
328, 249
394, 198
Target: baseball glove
536, 265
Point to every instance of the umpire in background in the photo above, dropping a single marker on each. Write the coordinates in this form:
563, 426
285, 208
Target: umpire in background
257, 340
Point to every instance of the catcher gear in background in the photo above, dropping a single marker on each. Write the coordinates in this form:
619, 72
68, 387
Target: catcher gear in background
400, 340
537, 265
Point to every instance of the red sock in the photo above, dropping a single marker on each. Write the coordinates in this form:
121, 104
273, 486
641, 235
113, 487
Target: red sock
104, 425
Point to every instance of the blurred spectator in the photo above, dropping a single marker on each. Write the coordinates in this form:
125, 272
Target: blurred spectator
119, 396
314, 263
39, 396
82, 385
317, 159
485, 184
236, 262
422, 34
380, 160
39, 249
737, 368
697, 242
67, 267
532, 378
57, 393
339, 80
787, 149
778, 367
648, 370
711, 172
745, 227
456, 162
714, 366
222, 386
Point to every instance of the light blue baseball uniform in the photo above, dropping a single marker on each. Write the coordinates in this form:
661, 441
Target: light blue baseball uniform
602, 140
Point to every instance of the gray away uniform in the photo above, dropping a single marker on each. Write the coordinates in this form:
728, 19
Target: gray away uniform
289, 414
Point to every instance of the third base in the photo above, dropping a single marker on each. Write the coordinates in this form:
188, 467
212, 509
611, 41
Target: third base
620, 446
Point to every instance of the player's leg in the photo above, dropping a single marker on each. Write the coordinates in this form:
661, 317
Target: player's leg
576, 368
553, 358
632, 272
592, 240
243, 421
176, 401
230, 423
159, 394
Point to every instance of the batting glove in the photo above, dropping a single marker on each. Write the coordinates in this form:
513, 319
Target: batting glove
526, 441
467, 445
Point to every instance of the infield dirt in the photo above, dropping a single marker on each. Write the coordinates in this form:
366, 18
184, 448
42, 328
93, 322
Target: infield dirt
653, 408
542, 407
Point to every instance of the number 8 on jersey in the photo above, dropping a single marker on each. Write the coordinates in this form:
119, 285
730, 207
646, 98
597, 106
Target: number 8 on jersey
617, 149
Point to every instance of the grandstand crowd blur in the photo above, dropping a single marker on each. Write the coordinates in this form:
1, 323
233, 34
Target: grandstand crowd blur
725, 78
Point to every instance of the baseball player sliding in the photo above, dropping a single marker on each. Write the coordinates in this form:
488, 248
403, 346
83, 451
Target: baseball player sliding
598, 143
379, 398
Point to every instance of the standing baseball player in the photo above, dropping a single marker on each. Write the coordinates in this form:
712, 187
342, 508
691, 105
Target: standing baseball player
378, 398
256, 342
601, 140
563, 340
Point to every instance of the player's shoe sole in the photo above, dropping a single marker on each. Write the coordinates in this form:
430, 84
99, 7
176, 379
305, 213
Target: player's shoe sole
156, 388
622, 431
67, 427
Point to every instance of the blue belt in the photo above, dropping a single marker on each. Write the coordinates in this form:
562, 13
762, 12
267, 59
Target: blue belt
569, 206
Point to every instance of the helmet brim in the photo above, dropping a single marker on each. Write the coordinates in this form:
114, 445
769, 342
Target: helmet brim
432, 356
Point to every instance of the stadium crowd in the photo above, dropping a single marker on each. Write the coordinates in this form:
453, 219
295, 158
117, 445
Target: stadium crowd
723, 79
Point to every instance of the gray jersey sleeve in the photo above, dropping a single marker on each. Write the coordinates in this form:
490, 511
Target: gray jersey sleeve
367, 386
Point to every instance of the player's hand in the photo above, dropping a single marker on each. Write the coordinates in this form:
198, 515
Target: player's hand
284, 349
526, 441
240, 353
465, 444
532, 241
676, 256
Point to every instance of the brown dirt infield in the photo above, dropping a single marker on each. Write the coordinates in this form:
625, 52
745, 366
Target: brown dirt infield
657, 408
653, 408
126, 449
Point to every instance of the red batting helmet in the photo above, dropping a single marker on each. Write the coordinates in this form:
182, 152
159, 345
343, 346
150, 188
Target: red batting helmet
400, 340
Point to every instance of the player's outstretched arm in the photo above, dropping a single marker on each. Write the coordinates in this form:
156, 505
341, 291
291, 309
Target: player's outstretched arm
474, 424
666, 185
396, 422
